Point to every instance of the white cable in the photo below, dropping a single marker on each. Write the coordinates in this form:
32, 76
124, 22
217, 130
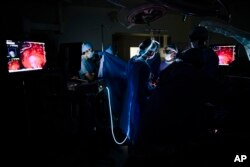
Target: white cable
111, 122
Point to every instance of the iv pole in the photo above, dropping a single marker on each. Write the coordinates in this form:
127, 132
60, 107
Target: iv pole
102, 37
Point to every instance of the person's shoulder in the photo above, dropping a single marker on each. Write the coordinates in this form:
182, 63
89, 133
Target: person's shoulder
136, 59
208, 50
137, 63
83, 60
193, 50
96, 56
192, 53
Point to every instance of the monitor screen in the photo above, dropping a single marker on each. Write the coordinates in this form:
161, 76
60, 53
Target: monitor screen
25, 56
226, 53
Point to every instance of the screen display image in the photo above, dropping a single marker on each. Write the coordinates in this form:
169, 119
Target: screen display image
25, 56
226, 53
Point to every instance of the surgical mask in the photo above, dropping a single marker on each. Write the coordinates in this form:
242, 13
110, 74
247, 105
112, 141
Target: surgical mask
90, 55
168, 57
151, 56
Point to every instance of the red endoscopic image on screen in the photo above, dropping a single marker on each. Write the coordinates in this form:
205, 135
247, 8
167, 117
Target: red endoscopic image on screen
226, 53
25, 55
32, 55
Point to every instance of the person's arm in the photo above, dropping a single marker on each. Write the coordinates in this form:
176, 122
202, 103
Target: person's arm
83, 70
86, 71
90, 76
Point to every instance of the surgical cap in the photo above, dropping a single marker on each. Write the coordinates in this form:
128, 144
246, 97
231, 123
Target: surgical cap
171, 47
148, 45
86, 46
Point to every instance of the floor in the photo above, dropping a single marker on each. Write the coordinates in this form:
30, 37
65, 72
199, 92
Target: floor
98, 149
95, 150
56, 136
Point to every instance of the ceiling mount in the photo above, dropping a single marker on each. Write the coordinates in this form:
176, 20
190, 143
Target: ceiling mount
145, 14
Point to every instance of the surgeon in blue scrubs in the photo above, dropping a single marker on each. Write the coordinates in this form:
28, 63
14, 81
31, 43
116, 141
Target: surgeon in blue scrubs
139, 88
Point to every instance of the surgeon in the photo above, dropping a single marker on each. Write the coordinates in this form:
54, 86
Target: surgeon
89, 63
170, 56
139, 88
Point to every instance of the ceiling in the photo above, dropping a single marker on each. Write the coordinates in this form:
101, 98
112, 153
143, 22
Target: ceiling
145, 11
189, 6
131, 12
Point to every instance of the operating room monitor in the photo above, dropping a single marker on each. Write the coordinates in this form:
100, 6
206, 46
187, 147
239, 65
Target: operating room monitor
226, 53
25, 56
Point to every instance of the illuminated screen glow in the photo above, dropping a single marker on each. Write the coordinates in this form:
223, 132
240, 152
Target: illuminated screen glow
135, 50
226, 53
25, 55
